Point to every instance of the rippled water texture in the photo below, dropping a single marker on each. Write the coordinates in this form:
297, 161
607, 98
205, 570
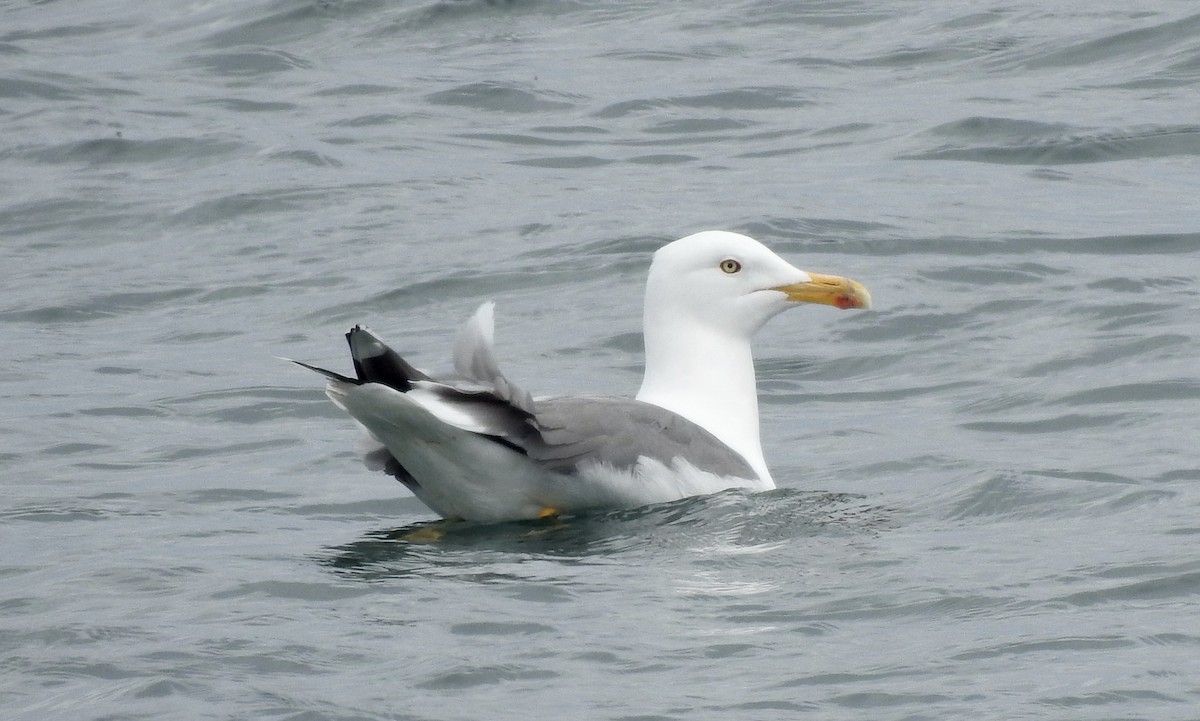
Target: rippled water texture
988, 502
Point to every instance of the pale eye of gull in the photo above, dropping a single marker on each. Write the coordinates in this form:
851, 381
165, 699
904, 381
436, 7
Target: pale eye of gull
729, 265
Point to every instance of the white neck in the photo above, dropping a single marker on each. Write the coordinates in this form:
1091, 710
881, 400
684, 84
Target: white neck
708, 378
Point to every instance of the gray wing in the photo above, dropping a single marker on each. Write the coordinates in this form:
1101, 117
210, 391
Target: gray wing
559, 433
618, 431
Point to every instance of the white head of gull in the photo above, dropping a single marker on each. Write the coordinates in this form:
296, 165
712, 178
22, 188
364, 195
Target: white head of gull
706, 297
476, 446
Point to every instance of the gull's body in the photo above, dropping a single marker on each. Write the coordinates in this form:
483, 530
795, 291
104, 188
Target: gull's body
478, 447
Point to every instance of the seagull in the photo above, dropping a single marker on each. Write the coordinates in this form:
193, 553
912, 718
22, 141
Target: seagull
475, 446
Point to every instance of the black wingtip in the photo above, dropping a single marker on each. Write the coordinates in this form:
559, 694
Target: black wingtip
375, 362
327, 373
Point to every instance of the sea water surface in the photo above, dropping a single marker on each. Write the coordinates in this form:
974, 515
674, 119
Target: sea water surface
988, 502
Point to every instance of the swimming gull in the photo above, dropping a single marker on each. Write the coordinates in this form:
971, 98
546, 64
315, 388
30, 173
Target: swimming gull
476, 446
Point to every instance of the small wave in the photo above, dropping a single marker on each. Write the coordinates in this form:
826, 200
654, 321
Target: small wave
1020, 142
497, 96
107, 151
249, 63
102, 306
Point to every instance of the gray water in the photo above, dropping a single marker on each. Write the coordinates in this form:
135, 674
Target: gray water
988, 503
